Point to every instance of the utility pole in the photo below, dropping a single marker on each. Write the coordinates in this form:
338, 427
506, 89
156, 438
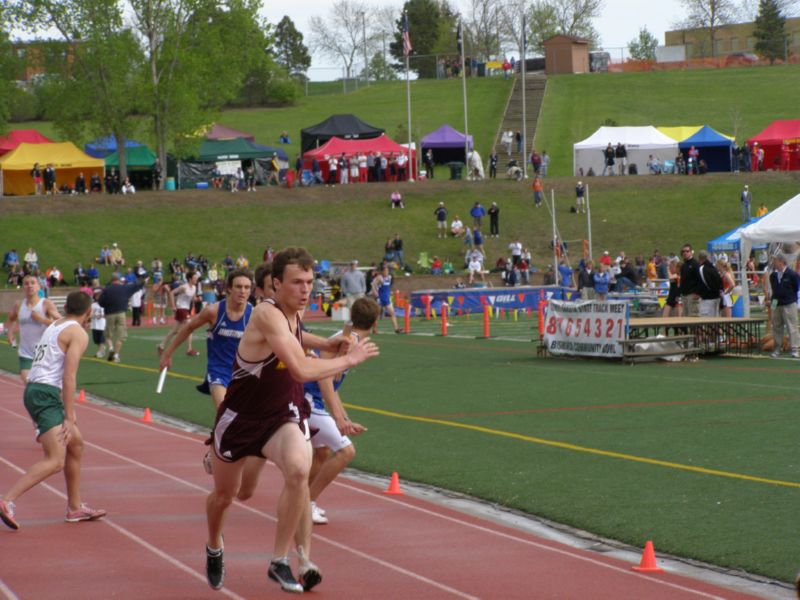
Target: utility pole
364, 39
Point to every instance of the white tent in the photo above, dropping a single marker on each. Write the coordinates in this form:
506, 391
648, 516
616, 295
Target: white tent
781, 226
640, 142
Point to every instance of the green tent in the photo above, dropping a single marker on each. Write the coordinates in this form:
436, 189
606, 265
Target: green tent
139, 158
236, 149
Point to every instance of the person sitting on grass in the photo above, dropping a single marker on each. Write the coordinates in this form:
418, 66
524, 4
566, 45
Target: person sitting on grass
436, 266
397, 200
457, 227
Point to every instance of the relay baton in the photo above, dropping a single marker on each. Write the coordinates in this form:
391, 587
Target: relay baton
161, 379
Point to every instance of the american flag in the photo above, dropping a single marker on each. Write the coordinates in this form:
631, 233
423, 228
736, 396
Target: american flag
406, 39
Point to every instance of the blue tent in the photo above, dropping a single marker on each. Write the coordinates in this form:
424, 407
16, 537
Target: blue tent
715, 148
729, 241
105, 146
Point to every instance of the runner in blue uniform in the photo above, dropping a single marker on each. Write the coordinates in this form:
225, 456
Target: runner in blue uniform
333, 450
382, 288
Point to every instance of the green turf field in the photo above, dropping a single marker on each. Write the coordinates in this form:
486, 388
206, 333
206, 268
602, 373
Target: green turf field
699, 457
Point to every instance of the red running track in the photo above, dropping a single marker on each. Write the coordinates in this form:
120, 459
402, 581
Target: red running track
151, 545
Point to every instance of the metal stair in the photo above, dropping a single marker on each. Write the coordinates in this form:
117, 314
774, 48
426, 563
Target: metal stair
535, 84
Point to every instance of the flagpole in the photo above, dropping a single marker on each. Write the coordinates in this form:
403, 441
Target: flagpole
524, 105
411, 162
464, 91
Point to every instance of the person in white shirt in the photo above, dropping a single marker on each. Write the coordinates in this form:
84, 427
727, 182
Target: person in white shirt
127, 186
98, 326
457, 227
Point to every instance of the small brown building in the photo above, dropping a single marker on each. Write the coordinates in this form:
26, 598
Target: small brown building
566, 54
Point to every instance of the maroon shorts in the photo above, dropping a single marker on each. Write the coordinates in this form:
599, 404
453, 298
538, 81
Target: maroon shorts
235, 437
182, 315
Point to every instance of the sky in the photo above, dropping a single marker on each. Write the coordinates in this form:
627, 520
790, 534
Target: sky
618, 24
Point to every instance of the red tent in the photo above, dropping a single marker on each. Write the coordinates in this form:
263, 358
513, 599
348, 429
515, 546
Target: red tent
220, 132
338, 146
781, 143
19, 136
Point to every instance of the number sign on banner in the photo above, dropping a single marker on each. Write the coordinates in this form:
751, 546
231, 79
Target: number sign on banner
586, 328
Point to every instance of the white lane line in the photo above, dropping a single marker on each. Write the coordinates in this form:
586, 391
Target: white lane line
133, 537
8, 593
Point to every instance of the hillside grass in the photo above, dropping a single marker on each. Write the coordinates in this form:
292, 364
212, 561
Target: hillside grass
738, 102
433, 103
632, 214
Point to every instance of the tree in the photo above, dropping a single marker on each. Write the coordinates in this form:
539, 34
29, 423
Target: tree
379, 69
289, 50
644, 46
563, 17
483, 28
344, 33
96, 88
709, 15
770, 31
431, 27
9, 68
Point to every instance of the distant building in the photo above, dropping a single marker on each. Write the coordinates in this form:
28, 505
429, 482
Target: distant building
566, 54
38, 57
737, 37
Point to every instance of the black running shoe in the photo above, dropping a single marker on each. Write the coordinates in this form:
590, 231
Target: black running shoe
111, 356
309, 576
215, 569
204, 388
280, 571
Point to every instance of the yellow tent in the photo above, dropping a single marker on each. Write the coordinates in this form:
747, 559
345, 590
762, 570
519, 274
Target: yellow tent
66, 158
680, 132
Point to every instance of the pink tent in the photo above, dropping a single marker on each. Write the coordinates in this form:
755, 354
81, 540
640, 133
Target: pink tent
220, 132
19, 136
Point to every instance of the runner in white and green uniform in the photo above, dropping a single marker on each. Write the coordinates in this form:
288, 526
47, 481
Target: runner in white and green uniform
33, 314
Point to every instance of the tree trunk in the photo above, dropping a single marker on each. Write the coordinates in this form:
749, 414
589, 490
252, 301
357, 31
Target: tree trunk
123, 159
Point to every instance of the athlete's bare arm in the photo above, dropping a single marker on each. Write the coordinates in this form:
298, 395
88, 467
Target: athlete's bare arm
207, 317
73, 342
268, 332
334, 403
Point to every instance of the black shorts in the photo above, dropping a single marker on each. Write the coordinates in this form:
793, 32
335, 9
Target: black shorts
234, 437
98, 336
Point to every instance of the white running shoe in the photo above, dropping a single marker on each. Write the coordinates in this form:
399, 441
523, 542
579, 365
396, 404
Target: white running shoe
101, 353
317, 515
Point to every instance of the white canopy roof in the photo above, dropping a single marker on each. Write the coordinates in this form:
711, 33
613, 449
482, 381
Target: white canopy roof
647, 137
781, 225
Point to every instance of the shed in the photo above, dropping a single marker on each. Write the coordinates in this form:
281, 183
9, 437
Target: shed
566, 54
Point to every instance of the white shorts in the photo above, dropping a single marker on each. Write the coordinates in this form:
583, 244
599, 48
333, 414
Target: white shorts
328, 435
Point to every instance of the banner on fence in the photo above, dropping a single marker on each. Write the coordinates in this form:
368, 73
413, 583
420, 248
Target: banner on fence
586, 327
474, 300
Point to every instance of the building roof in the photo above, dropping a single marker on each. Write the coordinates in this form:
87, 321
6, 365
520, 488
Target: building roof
561, 37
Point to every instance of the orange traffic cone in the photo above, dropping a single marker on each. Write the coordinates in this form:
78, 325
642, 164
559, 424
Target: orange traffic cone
394, 486
146, 418
82, 396
648, 563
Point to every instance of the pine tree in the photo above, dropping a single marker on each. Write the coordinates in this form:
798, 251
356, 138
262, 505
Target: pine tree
770, 31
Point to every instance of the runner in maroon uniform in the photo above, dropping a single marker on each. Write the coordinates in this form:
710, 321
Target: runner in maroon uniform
264, 414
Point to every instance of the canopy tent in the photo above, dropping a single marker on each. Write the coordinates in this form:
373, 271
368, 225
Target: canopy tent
337, 146
66, 158
730, 241
220, 132
781, 143
343, 126
102, 147
237, 149
781, 226
715, 148
447, 144
679, 132
640, 143
21, 136
139, 158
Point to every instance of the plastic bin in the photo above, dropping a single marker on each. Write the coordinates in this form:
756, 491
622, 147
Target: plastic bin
455, 169
169, 184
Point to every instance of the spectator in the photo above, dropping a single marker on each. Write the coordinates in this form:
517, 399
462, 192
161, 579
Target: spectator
397, 245
436, 266
602, 282
580, 198
242, 262
428, 159
537, 191
81, 277
654, 165
36, 175
728, 283
609, 155
493, 164
80, 184
523, 267
518, 139
710, 288
15, 276
31, 260
116, 256
49, 178
457, 227
621, 156
586, 281
95, 184
477, 212
397, 200
114, 300
784, 284
494, 220
273, 173
762, 210
354, 284
536, 162
565, 274
549, 277
690, 284
157, 173
477, 239
627, 278
11, 259
515, 248
127, 186
545, 164
475, 267
402, 162
745, 198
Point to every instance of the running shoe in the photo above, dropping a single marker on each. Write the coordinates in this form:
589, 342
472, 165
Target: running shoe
159, 350
84, 513
193, 353
309, 576
215, 568
318, 515
111, 356
207, 464
775, 353
280, 571
7, 514
116, 357
100, 353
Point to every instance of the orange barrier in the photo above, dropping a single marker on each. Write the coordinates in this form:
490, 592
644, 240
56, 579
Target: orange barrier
444, 320
407, 319
486, 318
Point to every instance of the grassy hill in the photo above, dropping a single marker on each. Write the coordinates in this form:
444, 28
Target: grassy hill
738, 102
433, 103
631, 214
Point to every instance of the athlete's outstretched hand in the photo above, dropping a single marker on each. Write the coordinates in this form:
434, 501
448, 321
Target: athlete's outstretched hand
361, 351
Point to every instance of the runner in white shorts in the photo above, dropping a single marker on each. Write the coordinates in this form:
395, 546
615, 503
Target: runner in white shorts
333, 450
